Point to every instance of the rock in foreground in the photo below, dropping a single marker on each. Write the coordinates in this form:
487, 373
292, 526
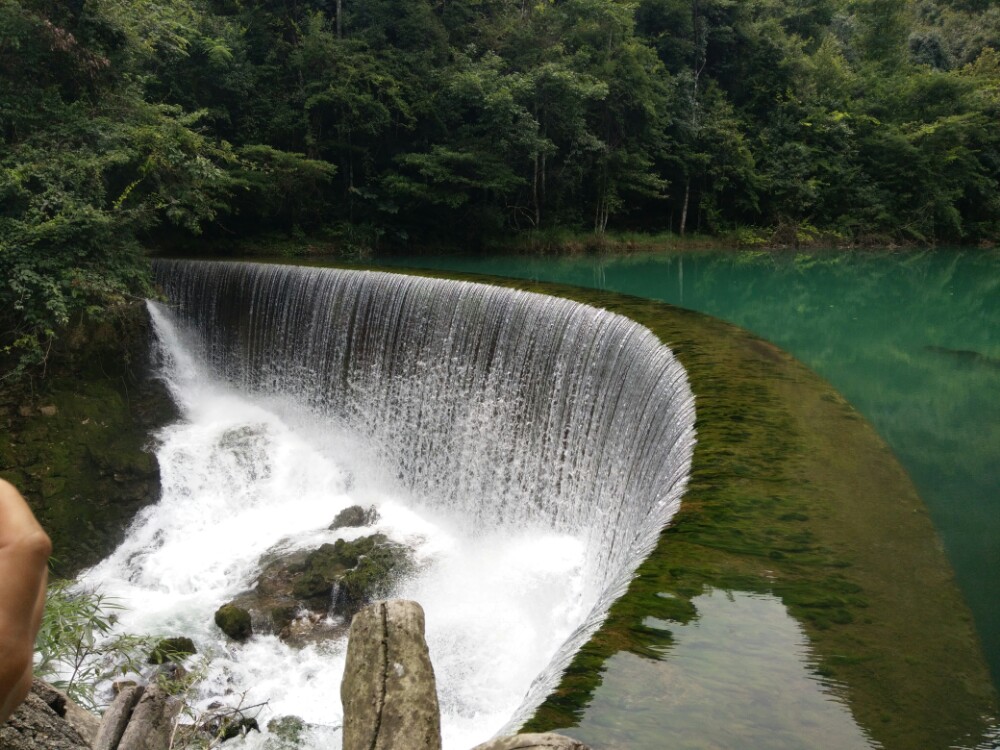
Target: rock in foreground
389, 692
48, 720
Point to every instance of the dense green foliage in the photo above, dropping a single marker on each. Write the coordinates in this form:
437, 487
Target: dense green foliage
378, 122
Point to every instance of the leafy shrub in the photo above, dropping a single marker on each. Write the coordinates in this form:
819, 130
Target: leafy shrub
75, 650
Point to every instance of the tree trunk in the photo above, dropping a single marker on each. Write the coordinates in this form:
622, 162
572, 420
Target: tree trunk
535, 189
601, 214
684, 208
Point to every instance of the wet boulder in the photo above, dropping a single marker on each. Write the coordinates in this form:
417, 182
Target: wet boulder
309, 595
285, 733
230, 726
345, 575
172, 649
354, 517
371, 577
234, 621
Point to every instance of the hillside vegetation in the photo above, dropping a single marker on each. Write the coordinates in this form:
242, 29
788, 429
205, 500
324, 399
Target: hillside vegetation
381, 123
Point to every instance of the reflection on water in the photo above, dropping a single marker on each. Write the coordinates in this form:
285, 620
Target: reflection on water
717, 688
911, 339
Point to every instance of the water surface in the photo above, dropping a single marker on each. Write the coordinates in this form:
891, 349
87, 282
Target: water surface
715, 685
911, 339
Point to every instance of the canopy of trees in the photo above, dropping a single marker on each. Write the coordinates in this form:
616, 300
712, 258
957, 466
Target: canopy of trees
130, 122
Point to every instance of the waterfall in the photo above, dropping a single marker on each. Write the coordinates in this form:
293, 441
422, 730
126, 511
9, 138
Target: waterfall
493, 413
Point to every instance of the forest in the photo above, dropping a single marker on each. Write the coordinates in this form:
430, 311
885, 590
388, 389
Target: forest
373, 125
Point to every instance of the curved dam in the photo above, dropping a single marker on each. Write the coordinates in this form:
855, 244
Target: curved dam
530, 448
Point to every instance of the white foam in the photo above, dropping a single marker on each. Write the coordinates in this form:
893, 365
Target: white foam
240, 478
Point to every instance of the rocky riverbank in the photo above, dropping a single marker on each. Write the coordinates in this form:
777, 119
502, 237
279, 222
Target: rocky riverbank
77, 442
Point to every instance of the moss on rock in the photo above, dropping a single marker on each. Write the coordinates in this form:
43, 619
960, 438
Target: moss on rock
355, 516
172, 650
372, 577
297, 591
77, 442
359, 571
286, 733
234, 621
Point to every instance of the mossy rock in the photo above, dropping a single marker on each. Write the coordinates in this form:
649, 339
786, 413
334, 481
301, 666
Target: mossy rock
332, 559
172, 650
312, 585
286, 733
122, 458
296, 590
282, 616
230, 727
358, 571
355, 565
51, 486
76, 442
372, 578
234, 621
355, 516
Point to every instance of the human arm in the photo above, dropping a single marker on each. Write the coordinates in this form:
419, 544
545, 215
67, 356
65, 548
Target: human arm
24, 555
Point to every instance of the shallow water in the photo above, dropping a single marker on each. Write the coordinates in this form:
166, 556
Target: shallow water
715, 686
911, 339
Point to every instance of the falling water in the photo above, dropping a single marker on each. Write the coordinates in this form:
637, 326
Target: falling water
529, 448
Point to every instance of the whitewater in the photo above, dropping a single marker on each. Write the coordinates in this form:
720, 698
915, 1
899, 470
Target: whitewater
510, 491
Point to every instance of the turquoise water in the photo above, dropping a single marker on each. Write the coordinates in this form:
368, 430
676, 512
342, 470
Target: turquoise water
911, 339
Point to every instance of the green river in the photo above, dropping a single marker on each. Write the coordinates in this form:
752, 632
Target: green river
911, 339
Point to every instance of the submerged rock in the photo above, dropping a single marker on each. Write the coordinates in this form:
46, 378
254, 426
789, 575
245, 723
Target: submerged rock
229, 727
286, 727
234, 621
285, 733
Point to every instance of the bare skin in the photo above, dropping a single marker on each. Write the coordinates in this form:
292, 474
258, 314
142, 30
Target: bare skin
24, 555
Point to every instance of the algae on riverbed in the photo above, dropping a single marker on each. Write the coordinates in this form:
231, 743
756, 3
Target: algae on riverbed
792, 493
